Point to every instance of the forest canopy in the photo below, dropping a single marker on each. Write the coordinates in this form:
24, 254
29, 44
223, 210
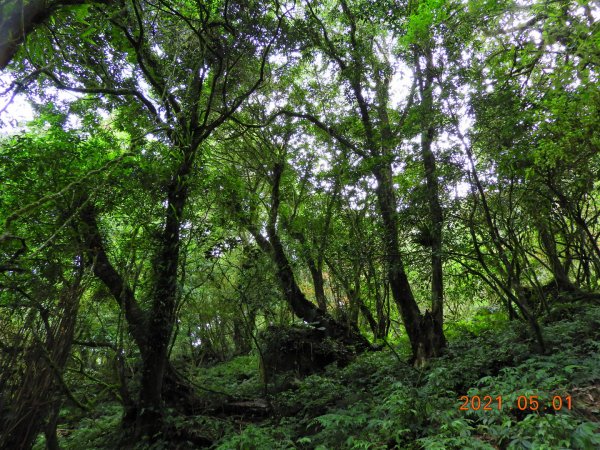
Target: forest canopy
305, 224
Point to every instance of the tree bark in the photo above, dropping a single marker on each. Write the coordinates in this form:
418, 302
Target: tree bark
35, 397
379, 144
301, 306
558, 270
357, 305
316, 274
425, 342
316, 271
425, 80
105, 271
18, 18
512, 287
153, 344
162, 315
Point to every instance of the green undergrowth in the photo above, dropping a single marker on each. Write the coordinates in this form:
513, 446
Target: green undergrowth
380, 402
238, 377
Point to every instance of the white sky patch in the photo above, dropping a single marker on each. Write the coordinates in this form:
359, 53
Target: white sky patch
73, 122
400, 85
19, 111
323, 165
536, 36
356, 197
16, 115
594, 10
279, 59
461, 189
158, 50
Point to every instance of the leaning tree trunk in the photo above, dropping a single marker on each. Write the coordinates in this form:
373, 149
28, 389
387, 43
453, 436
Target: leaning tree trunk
316, 274
300, 305
512, 288
316, 270
35, 397
357, 304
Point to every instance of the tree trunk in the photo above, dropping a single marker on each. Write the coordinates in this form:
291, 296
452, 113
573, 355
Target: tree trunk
162, 316
35, 398
105, 271
512, 287
19, 18
316, 270
151, 332
300, 305
425, 81
425, 336
576, 215
378, 326
424, 331
242, 335
319, 285
50, 428
304, 308
356, 303
549, 245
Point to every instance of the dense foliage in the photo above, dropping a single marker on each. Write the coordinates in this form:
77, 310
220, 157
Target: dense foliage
259, 225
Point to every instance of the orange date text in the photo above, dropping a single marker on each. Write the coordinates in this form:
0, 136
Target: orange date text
523, 403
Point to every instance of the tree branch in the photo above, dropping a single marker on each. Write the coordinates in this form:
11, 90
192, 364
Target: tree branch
103, 90
332, 132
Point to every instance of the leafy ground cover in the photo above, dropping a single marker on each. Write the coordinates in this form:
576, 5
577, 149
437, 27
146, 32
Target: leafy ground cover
380, 402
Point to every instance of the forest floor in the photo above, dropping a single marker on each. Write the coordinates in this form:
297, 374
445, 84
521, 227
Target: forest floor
515, 398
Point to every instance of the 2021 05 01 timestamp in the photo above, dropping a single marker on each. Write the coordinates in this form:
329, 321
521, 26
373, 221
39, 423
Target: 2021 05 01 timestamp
524, 403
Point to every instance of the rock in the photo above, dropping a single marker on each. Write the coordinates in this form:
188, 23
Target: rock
302, 350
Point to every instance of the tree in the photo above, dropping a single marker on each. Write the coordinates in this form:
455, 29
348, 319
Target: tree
361, 57
266, 153
181, 99
43, 282
198, 172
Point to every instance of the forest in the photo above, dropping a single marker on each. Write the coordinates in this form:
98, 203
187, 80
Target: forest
301, 224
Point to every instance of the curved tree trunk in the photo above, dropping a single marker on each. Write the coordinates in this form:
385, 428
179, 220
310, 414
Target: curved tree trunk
301, 306
18, 18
